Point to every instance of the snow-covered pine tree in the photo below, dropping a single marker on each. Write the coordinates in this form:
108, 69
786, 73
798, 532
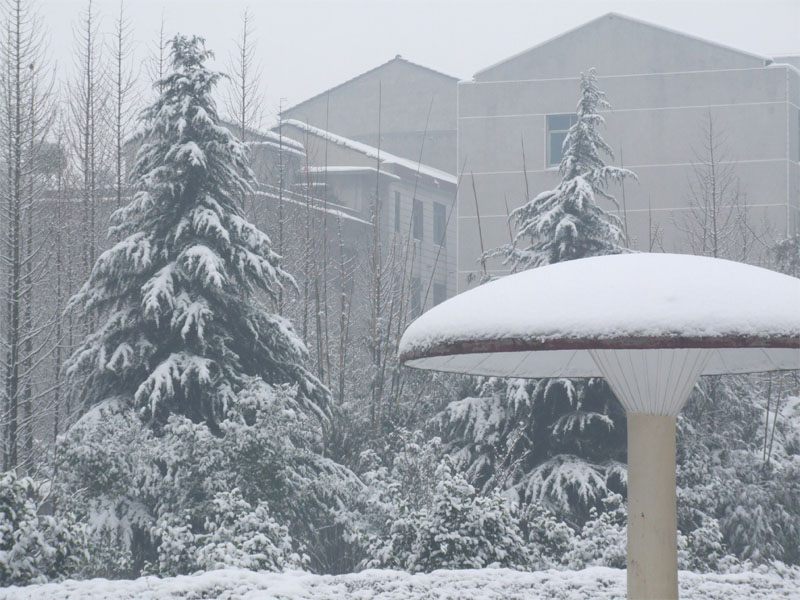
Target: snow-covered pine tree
180, 299
556, 442
566, 222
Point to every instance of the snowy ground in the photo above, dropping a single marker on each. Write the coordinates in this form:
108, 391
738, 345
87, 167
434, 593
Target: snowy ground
596, 583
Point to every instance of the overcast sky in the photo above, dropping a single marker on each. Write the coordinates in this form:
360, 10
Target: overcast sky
307, 46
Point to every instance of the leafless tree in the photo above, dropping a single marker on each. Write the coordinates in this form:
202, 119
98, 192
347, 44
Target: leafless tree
244, 99
718, 222
122, 88
27, 108
156, 63
87, 103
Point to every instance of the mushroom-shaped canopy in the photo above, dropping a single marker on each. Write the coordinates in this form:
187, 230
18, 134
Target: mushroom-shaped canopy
568, 318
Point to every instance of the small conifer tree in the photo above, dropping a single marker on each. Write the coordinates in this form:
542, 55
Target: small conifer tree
566, 222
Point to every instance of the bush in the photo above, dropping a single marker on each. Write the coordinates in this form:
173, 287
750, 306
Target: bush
34, 548
603, 538
703, 550
141, 491
236, 535
459, 529
549, 538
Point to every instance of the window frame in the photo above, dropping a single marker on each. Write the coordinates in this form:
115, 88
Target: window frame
550, 131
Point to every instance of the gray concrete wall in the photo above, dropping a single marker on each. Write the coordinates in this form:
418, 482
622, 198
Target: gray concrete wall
628, 47
407, 93
656, 128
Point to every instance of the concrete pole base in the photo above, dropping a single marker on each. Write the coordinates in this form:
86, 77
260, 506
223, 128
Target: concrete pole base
652, 508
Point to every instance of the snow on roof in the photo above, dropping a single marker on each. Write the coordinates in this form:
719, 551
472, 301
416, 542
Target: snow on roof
315, 203
279, 145
372, 152
265, 136
351, 170
276, 138
542, 322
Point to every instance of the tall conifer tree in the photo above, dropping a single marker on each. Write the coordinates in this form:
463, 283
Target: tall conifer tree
557, 442
180, 299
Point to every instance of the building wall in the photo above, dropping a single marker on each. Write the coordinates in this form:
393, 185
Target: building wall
405, 93
656, 128
431, 263
356, 191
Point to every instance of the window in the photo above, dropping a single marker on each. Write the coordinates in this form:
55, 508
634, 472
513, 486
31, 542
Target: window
417, 216
439, 293
439, 223
397, 212
557, 127
416, 298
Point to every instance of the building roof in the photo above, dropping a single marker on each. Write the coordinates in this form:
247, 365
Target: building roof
317, 204
267, 137
618, 16
397, 59
385, 157
350, 170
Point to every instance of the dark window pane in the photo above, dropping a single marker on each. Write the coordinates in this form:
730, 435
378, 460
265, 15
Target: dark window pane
416, 297
439, 223
439, 293
418, 219
397, 211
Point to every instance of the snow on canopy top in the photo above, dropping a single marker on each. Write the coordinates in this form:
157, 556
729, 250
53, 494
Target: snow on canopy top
372, 152
541, 322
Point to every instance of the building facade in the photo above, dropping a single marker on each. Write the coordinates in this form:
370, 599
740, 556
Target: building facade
415, 204
402, 107
680, 106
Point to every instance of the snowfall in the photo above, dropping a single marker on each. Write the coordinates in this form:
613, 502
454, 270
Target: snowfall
596, 583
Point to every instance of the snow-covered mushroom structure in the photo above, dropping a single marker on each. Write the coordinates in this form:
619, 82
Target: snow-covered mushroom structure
651, 324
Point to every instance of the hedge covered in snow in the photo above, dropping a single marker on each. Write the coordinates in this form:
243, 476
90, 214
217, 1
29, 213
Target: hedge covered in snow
596, 583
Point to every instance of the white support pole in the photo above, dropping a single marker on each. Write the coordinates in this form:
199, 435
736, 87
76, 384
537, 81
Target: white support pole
652, 516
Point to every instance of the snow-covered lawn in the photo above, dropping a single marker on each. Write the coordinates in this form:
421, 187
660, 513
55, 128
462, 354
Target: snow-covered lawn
597, 583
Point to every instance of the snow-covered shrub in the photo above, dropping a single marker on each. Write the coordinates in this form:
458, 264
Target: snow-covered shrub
549, 538
108, 476
386, 494
34, 548
466, 530
458, 529
602, 540
739, 465
702, 550
140, 491
235, 534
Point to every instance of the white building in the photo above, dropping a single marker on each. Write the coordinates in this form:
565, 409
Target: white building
666, 88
